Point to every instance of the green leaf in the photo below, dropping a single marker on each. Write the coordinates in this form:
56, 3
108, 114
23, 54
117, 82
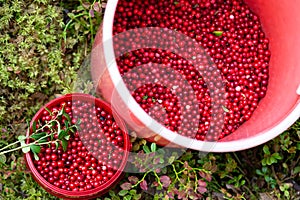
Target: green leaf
122, 193
3, 159
132, 192
56, 145
145, 97
127, 197
287, 194
61, 112
258, 172
112, 193
225, 109
23, 143
296, 170
62, 134
37, 136
64, 144
21, 138
161, 160
269, 179
171, 159
71, 15
52, 124
272, 160
43, 141
187, 156
284, 165
137, 196
51, 135
47, 109
67, 124
67, 116
264, 170
35, 148
67, 137
36, 157
266, 150
277, 156
26, 149
34, 126
218, 33
146, 149
160, 151
242, 182
73, 129
268, 161
153, 147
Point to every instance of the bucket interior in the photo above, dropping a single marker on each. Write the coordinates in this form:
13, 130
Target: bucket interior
281, 24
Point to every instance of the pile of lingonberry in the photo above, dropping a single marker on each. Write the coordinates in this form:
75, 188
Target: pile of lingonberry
94, 152
233, 40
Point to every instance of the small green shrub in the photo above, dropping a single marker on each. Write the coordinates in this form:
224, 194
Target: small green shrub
32, 67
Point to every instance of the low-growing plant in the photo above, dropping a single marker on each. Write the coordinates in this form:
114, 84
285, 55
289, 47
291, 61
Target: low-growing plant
265, 172
31, 62
84, 20
270, 158
166, 177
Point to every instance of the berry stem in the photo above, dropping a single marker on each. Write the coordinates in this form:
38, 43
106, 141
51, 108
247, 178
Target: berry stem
9, 145
15, 149
50, 142
141, 179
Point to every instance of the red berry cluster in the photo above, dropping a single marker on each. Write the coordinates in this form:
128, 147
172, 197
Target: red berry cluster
150, 98
94, 152
234, 42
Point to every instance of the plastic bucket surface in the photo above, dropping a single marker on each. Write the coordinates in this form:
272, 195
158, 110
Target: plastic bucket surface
278, 110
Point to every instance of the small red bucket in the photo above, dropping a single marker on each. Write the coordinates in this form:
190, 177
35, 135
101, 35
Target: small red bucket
96, 191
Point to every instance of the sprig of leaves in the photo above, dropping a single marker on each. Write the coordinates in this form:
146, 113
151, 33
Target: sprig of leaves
167, 176
39, 137
87, 17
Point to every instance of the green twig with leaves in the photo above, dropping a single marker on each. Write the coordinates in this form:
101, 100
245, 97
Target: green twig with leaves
84, 16
170, 177
39, 137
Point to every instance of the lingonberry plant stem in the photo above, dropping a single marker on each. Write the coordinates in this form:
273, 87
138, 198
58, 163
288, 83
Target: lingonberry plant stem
44, 135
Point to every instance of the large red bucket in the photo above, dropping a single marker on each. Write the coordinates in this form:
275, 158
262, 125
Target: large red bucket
278, 110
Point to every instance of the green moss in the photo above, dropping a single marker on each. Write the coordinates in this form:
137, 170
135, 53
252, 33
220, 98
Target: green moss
32, 61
